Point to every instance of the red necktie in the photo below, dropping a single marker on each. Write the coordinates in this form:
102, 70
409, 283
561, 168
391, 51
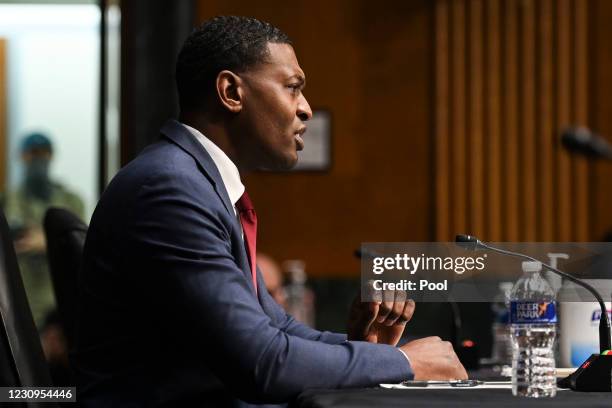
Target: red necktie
248, 219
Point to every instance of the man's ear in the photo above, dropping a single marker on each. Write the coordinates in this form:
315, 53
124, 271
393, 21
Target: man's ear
229, 91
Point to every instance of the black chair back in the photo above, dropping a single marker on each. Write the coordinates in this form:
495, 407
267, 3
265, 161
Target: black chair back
65, 234
22, 362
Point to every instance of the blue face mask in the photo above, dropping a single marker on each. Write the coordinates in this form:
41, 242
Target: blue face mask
37, 181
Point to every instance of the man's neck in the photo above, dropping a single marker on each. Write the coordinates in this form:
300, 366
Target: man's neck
214, 131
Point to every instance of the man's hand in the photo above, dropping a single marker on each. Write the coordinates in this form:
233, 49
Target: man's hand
434, 359
380, 322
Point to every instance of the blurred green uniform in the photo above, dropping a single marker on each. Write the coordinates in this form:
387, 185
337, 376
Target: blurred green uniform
26, 212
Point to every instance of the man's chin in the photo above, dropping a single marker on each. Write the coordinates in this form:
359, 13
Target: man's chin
281, 164
292, 162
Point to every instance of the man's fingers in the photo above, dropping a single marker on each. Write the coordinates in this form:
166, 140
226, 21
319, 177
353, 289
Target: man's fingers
368, 317
396, 313
407, 313
373, 308
388, 297
362, 315
366, 310
370, 294
369, 311
463, 375
383, 311
434, 359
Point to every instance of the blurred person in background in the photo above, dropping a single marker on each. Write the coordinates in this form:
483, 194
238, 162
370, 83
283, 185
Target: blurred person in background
273, 278
293, 294
25, 209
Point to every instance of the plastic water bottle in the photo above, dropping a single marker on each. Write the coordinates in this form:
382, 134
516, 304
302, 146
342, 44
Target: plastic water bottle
502, 345
533, 321
300, 298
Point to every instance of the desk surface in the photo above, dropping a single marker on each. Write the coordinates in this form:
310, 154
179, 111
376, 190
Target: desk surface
377, 397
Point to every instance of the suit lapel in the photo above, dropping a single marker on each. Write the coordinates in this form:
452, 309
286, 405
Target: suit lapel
177, 133
180, 136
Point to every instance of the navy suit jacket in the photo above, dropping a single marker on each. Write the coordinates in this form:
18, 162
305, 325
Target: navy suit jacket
167, 309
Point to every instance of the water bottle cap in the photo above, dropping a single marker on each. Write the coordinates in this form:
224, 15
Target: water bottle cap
531, 266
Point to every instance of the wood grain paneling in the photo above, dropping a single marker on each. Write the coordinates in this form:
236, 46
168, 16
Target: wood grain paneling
459, 160
563, 104
580, 109
600, 111
475, 141
528, 147
545, 119
441, 120
534, 83
3, 115
510, 180
492, 109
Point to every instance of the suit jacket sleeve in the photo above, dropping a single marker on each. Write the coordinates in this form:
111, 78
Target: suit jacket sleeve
288, 324
185, 251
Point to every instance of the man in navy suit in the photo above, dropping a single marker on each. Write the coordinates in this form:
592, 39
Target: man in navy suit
172, 309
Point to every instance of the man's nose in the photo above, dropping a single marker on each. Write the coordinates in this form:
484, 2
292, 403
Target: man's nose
304, 112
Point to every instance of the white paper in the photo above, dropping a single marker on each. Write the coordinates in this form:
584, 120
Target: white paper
502, 385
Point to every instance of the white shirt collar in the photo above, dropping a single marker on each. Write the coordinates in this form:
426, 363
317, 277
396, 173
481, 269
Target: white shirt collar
228, 170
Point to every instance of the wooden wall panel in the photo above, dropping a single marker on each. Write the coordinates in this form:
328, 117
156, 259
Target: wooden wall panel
528, 147
441, 119
3, 115
492, 109
580, 109
534, 84
545, 128
510, 180
475, 142
600, 111
563, 103
459, 160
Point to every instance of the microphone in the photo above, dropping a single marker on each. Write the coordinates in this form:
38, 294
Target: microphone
591, 375
472, 243
582, 141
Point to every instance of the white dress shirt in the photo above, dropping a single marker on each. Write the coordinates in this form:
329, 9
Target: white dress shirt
228, 170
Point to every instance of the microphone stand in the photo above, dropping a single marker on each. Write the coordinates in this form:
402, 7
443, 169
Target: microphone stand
595, 373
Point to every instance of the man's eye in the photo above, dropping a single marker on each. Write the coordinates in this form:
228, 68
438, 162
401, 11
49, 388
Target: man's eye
295, 88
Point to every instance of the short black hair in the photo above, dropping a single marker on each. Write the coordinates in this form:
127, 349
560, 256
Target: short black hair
224, 42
